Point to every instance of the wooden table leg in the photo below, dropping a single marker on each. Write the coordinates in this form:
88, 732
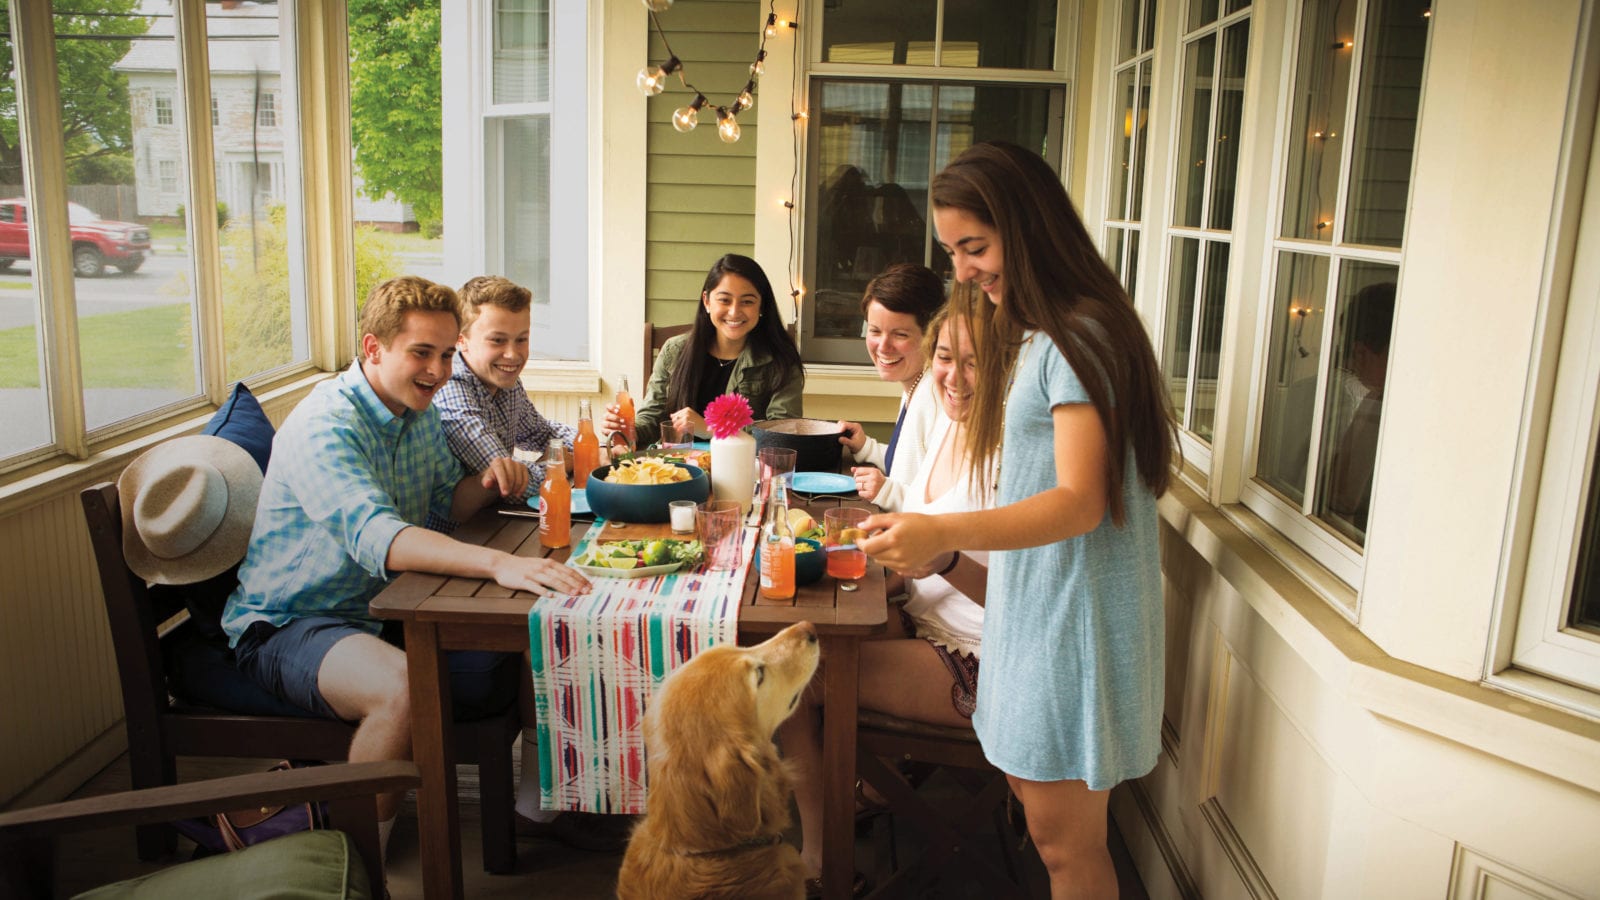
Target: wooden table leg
839, 764
438, 825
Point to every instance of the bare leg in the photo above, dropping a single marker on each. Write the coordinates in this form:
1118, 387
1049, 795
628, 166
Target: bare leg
1068, 824
364, 680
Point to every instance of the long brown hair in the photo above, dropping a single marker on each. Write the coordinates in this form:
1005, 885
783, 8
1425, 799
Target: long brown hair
1056, 282
769, 334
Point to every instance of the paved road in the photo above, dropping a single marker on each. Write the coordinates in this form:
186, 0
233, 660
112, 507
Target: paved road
162, 280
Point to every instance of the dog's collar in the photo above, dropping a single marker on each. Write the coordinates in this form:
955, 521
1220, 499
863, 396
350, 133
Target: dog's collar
764, 840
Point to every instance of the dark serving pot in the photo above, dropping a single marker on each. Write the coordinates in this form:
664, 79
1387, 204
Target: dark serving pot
815, 441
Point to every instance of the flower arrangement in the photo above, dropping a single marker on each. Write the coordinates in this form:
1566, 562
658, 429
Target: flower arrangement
727, 415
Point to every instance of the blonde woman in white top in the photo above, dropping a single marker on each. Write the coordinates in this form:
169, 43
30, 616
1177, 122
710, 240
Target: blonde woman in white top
926, 666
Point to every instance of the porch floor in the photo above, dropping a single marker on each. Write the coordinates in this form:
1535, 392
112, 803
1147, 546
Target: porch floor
544, 868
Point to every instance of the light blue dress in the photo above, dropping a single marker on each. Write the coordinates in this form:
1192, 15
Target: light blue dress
1071, 687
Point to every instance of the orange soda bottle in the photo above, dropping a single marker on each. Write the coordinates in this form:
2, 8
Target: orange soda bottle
777, 545
585, 447
625, 412
555, 499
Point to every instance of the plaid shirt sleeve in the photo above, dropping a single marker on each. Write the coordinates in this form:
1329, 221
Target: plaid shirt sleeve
476, 427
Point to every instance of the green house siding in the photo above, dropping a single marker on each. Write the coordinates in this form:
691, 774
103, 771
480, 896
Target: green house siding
700, 195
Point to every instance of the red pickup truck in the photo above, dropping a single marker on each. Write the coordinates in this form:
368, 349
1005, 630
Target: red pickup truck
96, 242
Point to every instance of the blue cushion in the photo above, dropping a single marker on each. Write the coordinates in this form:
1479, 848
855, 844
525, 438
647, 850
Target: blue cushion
242, 421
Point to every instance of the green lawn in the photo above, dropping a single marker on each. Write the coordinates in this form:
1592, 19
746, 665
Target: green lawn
409, 242
145, 348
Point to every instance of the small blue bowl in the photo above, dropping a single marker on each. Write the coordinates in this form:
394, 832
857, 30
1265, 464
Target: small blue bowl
808, 566
636, 503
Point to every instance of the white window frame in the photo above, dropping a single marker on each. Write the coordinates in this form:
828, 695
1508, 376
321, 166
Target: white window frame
167, 174
267, 112
1535, 652
1126, 265
769, 182
1325, 546
59, 461
163, 109
216, 111
474, 141
1196, 450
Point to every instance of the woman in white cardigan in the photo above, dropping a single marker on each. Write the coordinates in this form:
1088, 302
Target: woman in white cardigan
898, 304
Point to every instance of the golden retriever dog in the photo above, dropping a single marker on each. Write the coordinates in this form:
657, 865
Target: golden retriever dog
719, 795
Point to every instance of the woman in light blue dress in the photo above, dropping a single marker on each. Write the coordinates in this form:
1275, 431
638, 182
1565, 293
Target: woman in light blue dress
1071, 696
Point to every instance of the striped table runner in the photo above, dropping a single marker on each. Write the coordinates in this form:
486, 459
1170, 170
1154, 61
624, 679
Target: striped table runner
598, 660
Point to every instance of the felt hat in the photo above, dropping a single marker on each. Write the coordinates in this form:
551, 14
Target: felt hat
188, 506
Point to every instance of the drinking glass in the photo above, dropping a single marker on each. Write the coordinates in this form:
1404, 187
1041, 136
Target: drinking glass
842, 527
673, 439
775, 462
720, 523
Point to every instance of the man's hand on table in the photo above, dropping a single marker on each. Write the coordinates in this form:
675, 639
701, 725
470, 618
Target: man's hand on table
507, 477
538, 575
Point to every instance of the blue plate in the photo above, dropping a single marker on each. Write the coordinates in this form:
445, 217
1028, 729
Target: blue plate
580, 502
824, 483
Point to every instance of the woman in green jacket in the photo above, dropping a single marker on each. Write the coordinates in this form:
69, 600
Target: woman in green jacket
738, 344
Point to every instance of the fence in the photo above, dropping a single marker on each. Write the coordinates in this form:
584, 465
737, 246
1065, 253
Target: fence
111, 201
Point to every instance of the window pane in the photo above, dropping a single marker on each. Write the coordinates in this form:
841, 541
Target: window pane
1194, 132
1180, 323
873, 151
1128, 30
1585, 611
972, 113
1322, 90
23, 405
1201, 12
1208, 353
1289, 401
521, 69
125, 174
1122, 153
1230, 113
1386, 123
560, 330
1131, 263
1354, 402
264, 321
883, 32
1113, 254
1236, 5
1141, 132
977, 33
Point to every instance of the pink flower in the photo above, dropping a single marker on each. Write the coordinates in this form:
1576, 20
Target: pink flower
727, 414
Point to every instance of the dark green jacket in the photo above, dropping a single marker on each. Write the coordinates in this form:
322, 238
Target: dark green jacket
754, 377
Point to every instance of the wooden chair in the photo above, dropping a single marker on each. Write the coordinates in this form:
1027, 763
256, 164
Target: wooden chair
656, 337
350, 791
947, 831
162, 727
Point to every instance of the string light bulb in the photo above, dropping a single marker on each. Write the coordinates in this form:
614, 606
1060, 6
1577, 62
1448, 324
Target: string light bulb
772, 24
746, 98
727, 126
653, 81
687, 117
657, 5
759, 67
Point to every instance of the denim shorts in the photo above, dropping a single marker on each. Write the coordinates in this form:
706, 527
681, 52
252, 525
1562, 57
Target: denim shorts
285, 660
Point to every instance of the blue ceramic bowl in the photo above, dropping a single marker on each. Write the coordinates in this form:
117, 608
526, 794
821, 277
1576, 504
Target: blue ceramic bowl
808, 567
643, 502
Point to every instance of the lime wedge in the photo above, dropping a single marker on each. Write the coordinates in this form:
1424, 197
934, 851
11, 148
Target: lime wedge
628, 563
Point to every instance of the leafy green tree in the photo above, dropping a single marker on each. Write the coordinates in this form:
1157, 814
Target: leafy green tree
395, 100
95, 121
255, 289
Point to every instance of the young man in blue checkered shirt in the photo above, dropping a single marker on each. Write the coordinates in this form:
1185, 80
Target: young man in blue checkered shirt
485, 411
358, 468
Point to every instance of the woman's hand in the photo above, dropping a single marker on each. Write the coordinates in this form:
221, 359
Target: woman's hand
905, 542
613, 419
688, 421
869, 481
853, 436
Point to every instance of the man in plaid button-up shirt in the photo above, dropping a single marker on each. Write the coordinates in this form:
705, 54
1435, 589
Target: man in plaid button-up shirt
485, 411
357, 468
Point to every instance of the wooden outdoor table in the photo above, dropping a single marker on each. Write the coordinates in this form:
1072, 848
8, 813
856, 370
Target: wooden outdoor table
441, 613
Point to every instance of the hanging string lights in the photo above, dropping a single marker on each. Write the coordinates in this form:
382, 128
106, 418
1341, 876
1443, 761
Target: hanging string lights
652, 80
